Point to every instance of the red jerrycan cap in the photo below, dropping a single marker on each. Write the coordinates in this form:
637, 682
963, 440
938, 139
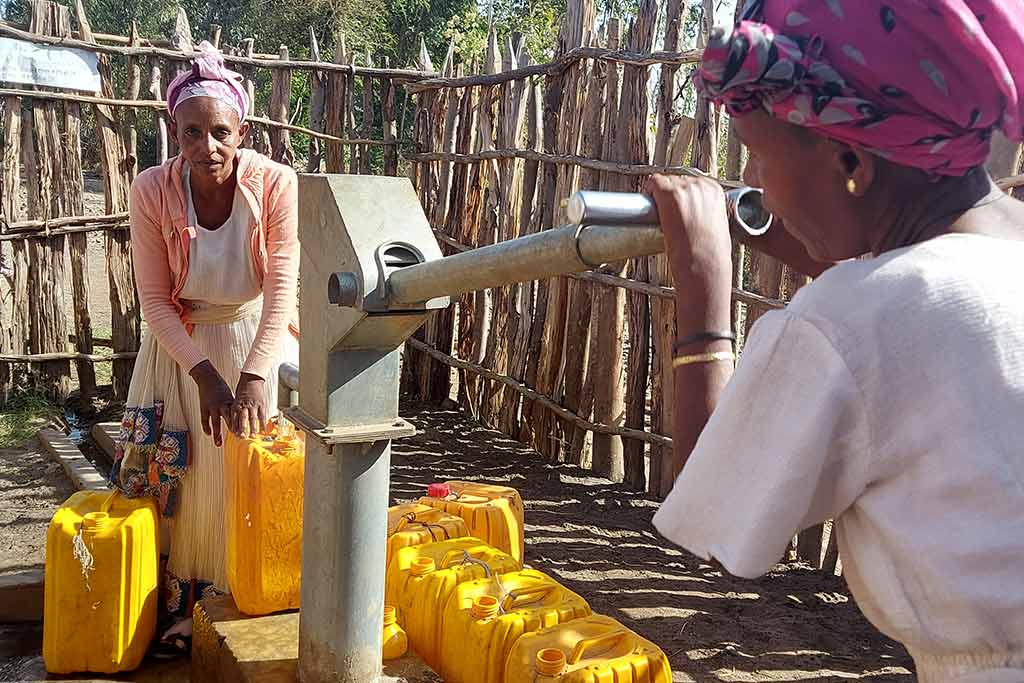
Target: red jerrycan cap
439, 490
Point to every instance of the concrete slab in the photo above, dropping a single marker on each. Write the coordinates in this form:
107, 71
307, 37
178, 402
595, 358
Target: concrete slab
105, 434
230, 647
78, 468
21, 596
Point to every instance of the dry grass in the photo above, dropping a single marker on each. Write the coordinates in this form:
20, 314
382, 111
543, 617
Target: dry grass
23, 417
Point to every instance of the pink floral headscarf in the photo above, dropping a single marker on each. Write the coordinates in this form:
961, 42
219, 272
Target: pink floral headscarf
209, 78
923, 83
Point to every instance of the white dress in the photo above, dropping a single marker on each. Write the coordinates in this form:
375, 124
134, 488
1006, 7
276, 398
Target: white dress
223, 291
889, 395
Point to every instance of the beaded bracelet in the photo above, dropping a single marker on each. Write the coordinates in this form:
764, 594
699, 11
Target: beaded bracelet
702, 337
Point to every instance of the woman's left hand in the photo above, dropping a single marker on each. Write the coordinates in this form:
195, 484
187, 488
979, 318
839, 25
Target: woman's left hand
249, 411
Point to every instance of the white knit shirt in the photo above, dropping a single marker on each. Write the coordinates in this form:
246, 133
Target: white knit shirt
889, 395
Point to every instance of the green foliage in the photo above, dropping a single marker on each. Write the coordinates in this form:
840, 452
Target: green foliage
23, 416
538, 21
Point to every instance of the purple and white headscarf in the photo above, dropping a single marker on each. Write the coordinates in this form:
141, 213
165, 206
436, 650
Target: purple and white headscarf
923, 83
209, 78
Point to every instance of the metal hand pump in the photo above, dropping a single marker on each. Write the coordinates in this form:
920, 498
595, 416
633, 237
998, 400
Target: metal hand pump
371, 273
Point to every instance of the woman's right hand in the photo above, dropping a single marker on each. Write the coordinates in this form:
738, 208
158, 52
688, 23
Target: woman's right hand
215, 400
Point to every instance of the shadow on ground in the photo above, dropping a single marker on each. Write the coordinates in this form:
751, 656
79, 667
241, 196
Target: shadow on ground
596, 538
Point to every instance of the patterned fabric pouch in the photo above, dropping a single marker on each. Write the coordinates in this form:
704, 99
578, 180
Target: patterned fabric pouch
154, 448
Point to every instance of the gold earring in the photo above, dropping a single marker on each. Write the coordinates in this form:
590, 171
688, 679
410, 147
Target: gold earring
851, 186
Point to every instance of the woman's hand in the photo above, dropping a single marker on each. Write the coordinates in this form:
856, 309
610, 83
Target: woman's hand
249, 411
695, 223
215, 399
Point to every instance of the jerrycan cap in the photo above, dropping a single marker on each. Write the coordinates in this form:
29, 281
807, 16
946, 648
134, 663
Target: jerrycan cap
390, 615
550, 662
422, 565
94, 521
439, 490
485, 606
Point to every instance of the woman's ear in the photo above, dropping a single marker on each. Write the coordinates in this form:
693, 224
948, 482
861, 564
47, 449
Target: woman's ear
173, 128
243, 130
857, 167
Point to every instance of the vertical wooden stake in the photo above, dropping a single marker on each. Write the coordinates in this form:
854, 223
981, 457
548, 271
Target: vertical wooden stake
317, 104
280, 97
125, 315
387, 100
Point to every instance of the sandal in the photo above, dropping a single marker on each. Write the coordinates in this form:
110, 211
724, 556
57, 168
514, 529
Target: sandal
172, 646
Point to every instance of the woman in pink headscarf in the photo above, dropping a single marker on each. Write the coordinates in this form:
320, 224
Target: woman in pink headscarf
889, 395
215, 247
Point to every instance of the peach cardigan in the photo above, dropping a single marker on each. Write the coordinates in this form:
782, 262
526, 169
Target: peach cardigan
160, 236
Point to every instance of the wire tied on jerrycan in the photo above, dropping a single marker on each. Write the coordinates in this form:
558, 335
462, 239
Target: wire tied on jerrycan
92, 522
410, 519
489, 574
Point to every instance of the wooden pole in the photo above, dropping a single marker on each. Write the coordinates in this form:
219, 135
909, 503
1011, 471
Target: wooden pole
579, 340
387, 99
337, 84
638, 311
607, 364
79, 249
494, 320
155, 89
48, 320
12, 340
350, 118
521, 325
459, 226
663, 315
317, 105
280, 99
125, 319
129, 116
549, 322
215, 35
368, 118
440, 382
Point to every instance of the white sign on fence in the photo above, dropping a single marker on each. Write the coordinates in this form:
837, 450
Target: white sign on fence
52, 67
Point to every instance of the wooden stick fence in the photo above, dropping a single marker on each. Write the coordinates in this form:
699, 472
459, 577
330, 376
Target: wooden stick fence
577, 366
44, 231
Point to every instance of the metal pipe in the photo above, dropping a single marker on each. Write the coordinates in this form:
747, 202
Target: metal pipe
345, 523
746, 210
568, 249
287, 385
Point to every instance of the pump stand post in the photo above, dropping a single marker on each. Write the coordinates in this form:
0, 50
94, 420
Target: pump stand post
345, 524
348, 408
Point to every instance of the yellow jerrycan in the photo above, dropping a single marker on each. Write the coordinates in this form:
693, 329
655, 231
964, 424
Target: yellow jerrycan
487, 617
396, 643
595, 649
263, 478
422, 579
415, 524
100, 603
492, 513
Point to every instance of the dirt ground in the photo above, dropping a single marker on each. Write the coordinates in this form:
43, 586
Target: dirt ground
32, 486
795, 624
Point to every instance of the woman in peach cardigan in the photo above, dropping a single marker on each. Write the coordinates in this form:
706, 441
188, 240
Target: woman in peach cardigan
215, 247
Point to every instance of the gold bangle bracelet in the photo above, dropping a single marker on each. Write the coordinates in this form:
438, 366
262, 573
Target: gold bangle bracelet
680, 361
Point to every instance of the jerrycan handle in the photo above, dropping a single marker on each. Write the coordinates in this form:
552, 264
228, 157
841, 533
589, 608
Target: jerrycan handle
407, 519
108, 502
514, 596
611, 638
466, 555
